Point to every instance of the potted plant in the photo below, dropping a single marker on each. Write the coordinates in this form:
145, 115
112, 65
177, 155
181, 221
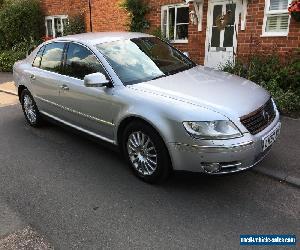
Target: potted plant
294, 10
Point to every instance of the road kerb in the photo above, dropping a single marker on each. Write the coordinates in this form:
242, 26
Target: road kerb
8, 88
295, 181
8, 92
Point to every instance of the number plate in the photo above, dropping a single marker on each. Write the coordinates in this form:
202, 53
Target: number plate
271, 137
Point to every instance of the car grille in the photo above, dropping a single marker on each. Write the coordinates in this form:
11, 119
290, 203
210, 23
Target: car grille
259, 119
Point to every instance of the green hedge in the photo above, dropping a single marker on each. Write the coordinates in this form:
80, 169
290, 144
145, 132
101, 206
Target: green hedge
280, 77
76, 25
8, 58
21, 27
21, 20
137, 11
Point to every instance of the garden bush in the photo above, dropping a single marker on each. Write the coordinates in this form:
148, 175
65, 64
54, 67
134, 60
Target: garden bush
137, 10
21, 28
21, 20
158, 33
8, 58
281, 77
76, 25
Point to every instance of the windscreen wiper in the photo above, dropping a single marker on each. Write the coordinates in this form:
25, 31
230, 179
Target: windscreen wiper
157, 77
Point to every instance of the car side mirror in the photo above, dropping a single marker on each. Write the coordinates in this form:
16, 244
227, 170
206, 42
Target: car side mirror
96, 80
28, 52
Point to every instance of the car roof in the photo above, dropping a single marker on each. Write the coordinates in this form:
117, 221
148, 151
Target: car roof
101, 37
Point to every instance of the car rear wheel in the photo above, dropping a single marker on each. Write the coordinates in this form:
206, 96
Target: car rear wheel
146, 153
30, 109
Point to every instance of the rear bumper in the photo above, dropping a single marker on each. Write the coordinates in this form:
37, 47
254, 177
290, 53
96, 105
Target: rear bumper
231, 155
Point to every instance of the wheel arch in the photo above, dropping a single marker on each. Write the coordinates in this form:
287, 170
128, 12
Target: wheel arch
129, 119
20, 90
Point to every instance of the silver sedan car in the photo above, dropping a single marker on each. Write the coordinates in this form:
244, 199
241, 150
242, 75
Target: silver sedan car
162, 110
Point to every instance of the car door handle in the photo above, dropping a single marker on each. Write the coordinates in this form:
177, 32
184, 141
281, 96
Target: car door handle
64, 87
32, 76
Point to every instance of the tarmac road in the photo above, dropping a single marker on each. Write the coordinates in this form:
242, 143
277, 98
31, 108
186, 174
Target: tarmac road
79, 194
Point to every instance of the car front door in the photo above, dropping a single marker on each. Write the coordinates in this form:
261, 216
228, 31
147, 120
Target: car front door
90, 108
45, 77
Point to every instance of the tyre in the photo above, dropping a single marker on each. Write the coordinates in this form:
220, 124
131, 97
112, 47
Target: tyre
30, 109
146, 152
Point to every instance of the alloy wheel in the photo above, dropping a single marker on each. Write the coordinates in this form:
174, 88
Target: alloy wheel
142, 153
29, 109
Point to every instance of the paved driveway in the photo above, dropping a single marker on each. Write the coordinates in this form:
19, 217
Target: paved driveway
5, 77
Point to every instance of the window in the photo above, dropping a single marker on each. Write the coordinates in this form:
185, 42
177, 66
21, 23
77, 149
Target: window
38, 58
223, 38
81, 62
276, 21
175, 22
55, 25
52, 57
143, 59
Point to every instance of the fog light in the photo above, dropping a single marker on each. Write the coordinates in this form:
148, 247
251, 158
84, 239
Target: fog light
211, 167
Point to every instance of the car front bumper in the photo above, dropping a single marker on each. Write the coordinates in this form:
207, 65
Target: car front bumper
221, 156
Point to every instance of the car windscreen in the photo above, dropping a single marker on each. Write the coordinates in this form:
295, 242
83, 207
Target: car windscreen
143, 59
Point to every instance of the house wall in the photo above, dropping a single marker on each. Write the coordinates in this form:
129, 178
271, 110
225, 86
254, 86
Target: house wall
70, 7
59, 7
107, 16
196, 40
250, 40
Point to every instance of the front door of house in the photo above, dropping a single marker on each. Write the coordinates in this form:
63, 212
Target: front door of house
221, 33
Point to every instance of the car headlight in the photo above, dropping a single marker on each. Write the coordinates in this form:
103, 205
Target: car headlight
212, 130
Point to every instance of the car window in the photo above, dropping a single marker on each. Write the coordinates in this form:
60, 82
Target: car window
38, 58
81, 62
143, 59
52, 57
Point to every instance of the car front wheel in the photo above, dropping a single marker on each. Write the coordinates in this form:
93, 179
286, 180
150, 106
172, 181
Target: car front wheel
146, 153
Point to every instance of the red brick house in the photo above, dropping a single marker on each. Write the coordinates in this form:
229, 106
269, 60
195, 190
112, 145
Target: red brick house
211, 31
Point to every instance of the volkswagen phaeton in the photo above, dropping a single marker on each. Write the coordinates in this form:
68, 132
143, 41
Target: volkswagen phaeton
162, 110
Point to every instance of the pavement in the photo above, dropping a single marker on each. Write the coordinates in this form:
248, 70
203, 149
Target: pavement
283, 161
5, 77
8, 88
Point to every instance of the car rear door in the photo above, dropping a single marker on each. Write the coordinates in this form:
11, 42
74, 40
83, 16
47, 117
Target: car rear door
45, 77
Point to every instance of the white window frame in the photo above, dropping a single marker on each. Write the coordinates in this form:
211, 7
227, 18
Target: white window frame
269, 13
166, 8
53, 27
